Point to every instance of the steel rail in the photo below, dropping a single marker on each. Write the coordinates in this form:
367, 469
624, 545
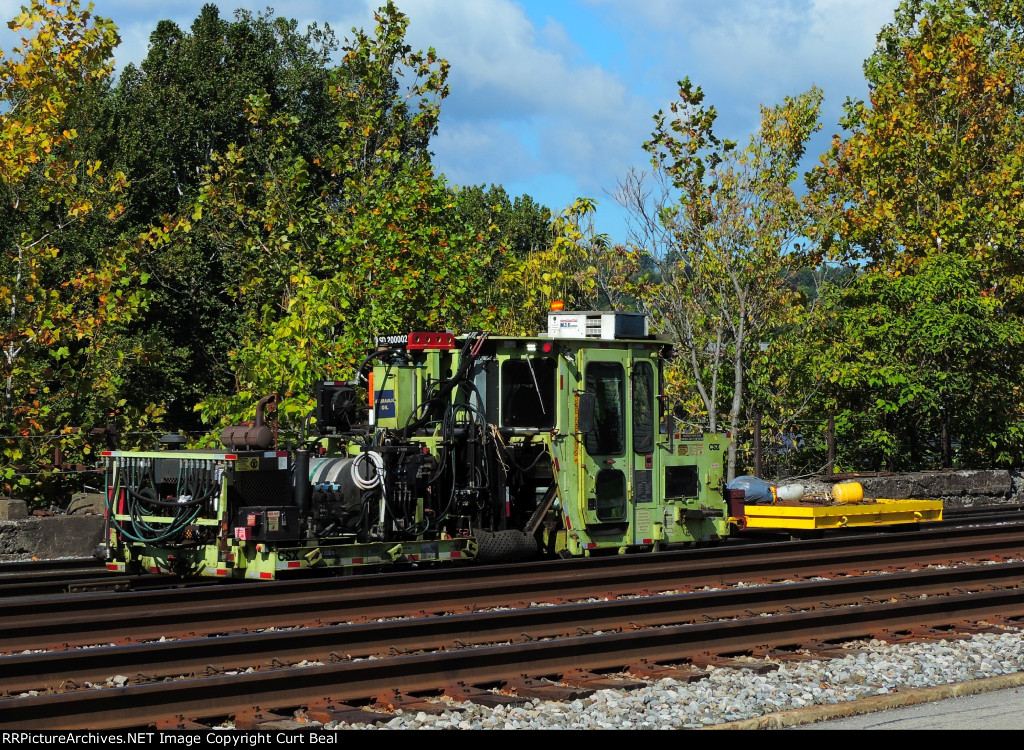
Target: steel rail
60, 622
45, 577
208, 698
155, 661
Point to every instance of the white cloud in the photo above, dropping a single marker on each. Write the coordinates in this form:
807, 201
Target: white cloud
745, 53
556, 98
525, 100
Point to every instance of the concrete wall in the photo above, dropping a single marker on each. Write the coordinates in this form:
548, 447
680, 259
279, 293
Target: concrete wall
76, 534
957, 489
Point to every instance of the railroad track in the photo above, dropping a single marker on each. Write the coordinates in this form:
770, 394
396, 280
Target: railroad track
89, 619
78, 576
351, 656
466, 653
89, 575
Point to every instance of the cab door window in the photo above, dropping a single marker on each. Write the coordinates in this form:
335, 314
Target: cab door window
606, 380
643, 408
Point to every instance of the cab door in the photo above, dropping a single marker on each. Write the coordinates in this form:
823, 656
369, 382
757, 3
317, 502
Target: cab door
605, 478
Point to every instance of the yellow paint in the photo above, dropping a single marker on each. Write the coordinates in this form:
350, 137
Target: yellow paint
881, 512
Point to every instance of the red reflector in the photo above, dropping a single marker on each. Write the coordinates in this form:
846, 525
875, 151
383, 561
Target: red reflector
456, 553
430, 341
647, 541
591, 545
106, 453
111, 566
230, 457
222, 571
547, 347
294, 564
568, 524
266, 575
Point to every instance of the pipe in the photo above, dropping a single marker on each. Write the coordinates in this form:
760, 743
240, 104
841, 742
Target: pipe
303, 489
261, 406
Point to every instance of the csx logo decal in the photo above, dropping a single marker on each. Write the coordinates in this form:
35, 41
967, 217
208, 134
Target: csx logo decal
714, 447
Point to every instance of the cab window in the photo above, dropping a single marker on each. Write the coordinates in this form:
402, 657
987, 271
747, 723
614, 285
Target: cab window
528, 393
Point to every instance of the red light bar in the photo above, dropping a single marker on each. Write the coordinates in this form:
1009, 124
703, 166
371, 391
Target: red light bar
431, 341
106, 453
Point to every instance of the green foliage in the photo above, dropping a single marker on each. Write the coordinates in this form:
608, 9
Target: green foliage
518, 227
578, 267
62, 308
935, 160
322, 264
724, 230
162, 125
928, 190
904, 352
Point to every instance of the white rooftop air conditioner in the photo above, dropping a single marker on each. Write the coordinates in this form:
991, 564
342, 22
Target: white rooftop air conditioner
597, 325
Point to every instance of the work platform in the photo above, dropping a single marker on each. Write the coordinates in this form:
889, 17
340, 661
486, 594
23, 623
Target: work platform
809, 515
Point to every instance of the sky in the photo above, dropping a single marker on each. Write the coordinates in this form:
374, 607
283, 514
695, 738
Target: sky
554, 98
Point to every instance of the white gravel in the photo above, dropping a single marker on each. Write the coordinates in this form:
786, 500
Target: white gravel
872, 668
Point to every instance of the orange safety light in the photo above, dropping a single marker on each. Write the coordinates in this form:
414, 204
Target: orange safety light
557, 305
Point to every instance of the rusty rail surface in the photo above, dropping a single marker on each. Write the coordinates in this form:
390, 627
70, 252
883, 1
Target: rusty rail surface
59, 670
486, 648
63, 622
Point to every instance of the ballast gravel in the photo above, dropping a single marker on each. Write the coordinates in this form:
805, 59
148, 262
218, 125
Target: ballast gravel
871, 668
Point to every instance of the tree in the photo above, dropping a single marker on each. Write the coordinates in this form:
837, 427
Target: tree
518, 227
59, 314
161, 125
723, 227
926, 189
913, 358
577, 266
321, 265
935, 159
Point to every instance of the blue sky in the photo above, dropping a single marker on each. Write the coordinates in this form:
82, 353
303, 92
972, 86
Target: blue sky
555, 98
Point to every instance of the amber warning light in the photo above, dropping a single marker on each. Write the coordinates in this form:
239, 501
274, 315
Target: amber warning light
557, 306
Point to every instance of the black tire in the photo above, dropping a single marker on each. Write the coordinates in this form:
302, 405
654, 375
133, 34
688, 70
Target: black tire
504, 546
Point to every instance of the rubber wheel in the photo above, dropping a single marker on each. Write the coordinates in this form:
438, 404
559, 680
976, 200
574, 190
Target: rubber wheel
504, 546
